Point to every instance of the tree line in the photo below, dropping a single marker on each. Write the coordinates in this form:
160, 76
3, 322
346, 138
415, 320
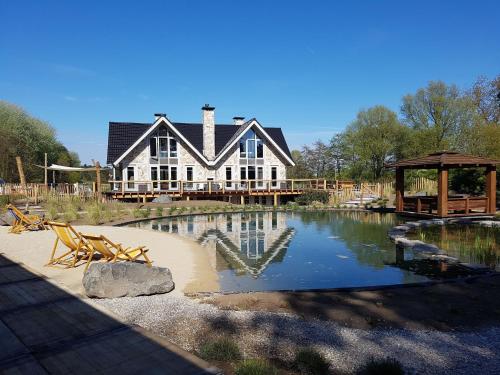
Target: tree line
30, 138
434, 118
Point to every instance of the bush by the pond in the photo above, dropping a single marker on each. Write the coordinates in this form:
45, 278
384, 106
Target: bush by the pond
310, 361
255, 367
387, 366
313, 196
223, 349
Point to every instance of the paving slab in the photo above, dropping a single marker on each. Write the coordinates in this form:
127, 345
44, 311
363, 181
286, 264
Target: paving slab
46, 329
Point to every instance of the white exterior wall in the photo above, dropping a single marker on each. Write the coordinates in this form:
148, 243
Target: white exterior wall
140, 159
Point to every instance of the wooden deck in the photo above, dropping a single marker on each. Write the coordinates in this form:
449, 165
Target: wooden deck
46, 330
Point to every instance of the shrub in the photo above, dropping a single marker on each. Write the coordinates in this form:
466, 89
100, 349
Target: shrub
387, 366
255, 367
70, 212
95, 213
310, 361
308, 197
146, 213
220, 350
4, 200
137, 213
52, 212
159, 211
172, 210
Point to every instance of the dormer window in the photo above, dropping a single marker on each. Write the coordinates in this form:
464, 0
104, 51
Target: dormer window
163, 144
251, 146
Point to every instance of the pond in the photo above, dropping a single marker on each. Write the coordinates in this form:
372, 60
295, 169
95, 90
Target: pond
261, 251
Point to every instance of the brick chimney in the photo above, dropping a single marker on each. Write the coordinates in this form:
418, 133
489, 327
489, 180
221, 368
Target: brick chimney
237, 120
208, 131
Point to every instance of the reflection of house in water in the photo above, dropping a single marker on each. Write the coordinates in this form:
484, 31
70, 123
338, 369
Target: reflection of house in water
245, 242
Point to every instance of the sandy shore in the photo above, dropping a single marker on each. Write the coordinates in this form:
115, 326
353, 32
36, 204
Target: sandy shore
187, 260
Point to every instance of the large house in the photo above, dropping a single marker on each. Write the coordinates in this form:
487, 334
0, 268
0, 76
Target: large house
191, 159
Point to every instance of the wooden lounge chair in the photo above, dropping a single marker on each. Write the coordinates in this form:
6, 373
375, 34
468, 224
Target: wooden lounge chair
77, 249
23, 221
112, 252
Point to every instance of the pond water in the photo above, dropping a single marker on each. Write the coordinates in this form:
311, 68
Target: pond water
261, 251
472, 244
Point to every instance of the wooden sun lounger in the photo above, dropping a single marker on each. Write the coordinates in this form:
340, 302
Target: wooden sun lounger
68, 236
112, 252
23, 222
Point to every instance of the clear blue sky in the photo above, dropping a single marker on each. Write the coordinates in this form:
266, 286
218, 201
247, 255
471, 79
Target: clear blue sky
306, 66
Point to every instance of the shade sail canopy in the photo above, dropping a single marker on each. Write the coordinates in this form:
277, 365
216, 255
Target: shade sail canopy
63, 168
444, 159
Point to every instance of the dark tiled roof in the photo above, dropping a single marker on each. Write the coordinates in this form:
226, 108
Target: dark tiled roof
122, 135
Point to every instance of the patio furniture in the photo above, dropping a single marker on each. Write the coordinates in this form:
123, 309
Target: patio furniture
66, 234
112, 252
23, 222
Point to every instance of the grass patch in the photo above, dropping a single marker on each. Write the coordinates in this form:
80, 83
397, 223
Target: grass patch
310, 361
387, 366
220, 350
255, 367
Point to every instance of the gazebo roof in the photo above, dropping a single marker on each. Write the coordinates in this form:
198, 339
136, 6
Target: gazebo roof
444, 159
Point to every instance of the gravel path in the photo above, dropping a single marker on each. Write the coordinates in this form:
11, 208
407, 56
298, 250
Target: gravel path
187, 323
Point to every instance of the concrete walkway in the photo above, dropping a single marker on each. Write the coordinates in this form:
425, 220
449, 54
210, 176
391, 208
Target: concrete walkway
45, 329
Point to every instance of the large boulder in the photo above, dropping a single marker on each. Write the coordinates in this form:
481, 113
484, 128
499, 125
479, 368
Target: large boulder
111, 280
6, 219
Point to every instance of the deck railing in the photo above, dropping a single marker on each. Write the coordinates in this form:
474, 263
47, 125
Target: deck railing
456, 205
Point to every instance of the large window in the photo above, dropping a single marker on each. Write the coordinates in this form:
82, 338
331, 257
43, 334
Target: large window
164, 177
251, 146
131, 177
163, 144
229, 177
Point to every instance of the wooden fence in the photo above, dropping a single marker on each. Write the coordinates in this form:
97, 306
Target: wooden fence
340, 191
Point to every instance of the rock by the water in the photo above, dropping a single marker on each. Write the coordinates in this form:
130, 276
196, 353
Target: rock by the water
162, 199
111, 280
6, 219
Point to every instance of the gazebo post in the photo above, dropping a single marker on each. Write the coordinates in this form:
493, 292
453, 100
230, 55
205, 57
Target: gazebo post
400, 188
491, 188
442, 198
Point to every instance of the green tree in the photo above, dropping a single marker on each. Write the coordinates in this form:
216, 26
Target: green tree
300, 169
28, 137
376, 137
440, 115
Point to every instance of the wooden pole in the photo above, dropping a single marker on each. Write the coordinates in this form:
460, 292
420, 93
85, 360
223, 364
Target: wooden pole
491, 189
400, 188
46, 180
20, 169
442, 203
98, 179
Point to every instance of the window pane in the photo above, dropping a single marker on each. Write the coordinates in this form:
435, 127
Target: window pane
154, 177
251, 173
163, 131
260, 148
243, 174
130, 177
243, 148
173, 148
152, 146
163, 147
189, 173
229, 176
260, 173
173, 177
251, 148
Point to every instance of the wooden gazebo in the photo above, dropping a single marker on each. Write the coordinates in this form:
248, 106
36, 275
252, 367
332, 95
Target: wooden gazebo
444, 205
